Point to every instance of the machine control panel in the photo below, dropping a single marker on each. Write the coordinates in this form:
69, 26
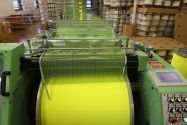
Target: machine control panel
168, 77
174, 108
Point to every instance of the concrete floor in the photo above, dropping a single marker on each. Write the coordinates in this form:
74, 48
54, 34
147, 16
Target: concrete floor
22, 35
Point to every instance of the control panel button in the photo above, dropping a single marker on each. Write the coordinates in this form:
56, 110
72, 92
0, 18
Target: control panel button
173, 120
171, 100
178, 100
156, 64
184, 99
185, 119
179, 110
172, 110
179, 120
184, 109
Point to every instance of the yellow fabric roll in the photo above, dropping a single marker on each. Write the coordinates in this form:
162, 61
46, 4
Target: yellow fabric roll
180, 63
100, 100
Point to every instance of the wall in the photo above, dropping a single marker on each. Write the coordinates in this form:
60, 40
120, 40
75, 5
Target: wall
6, 8
94, 4
181, 27
28, 6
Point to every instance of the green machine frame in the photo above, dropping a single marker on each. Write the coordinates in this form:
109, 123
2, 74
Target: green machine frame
10, 58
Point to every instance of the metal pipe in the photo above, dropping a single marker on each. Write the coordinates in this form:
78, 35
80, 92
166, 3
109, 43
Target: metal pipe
134, 12
103, 48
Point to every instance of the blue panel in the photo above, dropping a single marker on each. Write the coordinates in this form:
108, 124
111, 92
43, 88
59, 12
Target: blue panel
169, 77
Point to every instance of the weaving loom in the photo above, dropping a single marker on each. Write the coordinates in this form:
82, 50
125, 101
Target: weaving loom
100, 71
98, 83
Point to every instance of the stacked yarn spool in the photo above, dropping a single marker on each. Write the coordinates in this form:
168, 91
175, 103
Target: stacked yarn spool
117, 11
167, 3
155, 24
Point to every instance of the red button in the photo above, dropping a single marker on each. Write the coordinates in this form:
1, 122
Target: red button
156, 64
173, 120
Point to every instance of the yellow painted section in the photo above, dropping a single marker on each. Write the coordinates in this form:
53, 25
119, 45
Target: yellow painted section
81, 9
180, 63
91, 100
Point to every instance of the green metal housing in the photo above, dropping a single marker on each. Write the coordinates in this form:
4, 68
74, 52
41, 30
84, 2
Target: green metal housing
10, 54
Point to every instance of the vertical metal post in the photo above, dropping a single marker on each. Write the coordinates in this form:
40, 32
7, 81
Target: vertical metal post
134, 11
74, 9
30, 47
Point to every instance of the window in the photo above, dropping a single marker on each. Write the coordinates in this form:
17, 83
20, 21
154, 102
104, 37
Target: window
88, 3
17, 4
36, 3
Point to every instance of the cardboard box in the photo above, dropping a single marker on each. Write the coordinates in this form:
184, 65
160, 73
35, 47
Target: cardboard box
1, 31
129, 29
146, 10
5, 30
180, 31
184, 8
160, 43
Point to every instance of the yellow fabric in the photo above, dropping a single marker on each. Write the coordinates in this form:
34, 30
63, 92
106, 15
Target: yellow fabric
180, 63
101, 100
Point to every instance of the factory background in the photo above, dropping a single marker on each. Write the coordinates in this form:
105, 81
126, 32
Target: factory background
93, 62
157, 23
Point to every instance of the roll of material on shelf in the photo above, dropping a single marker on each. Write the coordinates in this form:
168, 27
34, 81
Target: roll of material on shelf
179, 61
84, 90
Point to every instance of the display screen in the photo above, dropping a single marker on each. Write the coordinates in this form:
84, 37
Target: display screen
169, 77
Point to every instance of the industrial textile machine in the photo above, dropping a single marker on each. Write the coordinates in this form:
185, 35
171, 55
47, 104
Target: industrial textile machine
84, 74
157, 93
